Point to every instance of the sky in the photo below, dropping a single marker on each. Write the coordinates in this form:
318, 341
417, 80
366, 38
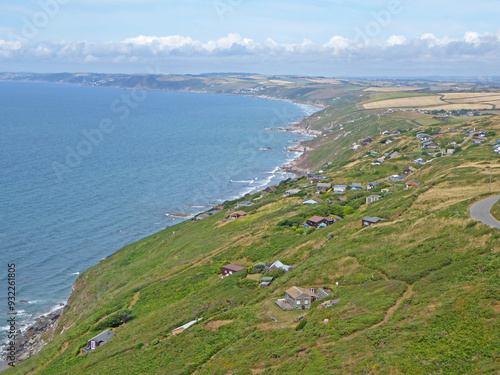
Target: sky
333, 38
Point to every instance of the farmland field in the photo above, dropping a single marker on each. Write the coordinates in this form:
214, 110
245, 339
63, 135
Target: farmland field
461, 95
458, 106
446, 101
417, 101
392, 89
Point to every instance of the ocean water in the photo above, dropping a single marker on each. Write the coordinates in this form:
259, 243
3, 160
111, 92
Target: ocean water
85, 171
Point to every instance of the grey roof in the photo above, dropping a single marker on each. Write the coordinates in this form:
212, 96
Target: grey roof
104, 336
374, 196
321, 294
372, 219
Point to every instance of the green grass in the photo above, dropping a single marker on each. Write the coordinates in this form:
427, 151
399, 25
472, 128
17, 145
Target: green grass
495, 210
419, 292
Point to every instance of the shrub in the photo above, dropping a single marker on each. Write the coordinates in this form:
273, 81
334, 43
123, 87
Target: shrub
114, 320
258, 268
277, 272
299, 230
310, 230
248, 283
348, 210
301, 324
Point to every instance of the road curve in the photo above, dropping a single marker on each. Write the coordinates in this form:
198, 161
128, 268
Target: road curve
481, 211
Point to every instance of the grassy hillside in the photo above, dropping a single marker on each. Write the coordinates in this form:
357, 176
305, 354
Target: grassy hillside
419, 292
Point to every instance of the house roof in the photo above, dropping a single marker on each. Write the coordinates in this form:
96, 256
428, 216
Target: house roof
324, 185
374, 196
293, 191
317, 200
104, 336
295, 291
234, 267
413, 181
282, 266
309, 201
187, 325
239, 213
371, 219
316, 219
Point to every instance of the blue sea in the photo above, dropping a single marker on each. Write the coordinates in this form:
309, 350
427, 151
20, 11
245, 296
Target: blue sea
87, 170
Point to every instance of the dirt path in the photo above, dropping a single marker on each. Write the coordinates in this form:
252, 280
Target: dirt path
134, 299
213, 253
62, 350
388, 315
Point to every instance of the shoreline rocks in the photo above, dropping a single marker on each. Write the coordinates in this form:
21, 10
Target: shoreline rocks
37, 335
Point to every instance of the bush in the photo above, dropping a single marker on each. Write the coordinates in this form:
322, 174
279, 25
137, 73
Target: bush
348, 210
277, 272
301, 324
299, 230
310, 230
114, 320
258, 268
248, 283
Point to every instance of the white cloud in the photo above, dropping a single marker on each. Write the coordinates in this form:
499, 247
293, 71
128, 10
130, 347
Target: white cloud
396, 40
234, 49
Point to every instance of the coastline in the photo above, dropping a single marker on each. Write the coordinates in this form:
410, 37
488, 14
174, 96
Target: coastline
35, 336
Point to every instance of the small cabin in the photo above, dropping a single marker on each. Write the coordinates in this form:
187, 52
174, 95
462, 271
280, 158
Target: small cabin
229, 269
367, 221
237, 214
101, 339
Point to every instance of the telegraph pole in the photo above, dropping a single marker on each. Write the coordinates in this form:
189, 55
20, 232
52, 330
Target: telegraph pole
490, 179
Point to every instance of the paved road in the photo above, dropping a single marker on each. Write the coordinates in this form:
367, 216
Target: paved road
481, 211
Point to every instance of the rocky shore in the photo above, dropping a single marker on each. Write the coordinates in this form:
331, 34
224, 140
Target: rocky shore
37, 335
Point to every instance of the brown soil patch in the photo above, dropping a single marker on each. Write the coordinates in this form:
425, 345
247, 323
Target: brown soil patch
215, 324
496, 307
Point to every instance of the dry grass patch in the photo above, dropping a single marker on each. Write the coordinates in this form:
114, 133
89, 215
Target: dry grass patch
444, 195
215, 324
303, 250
